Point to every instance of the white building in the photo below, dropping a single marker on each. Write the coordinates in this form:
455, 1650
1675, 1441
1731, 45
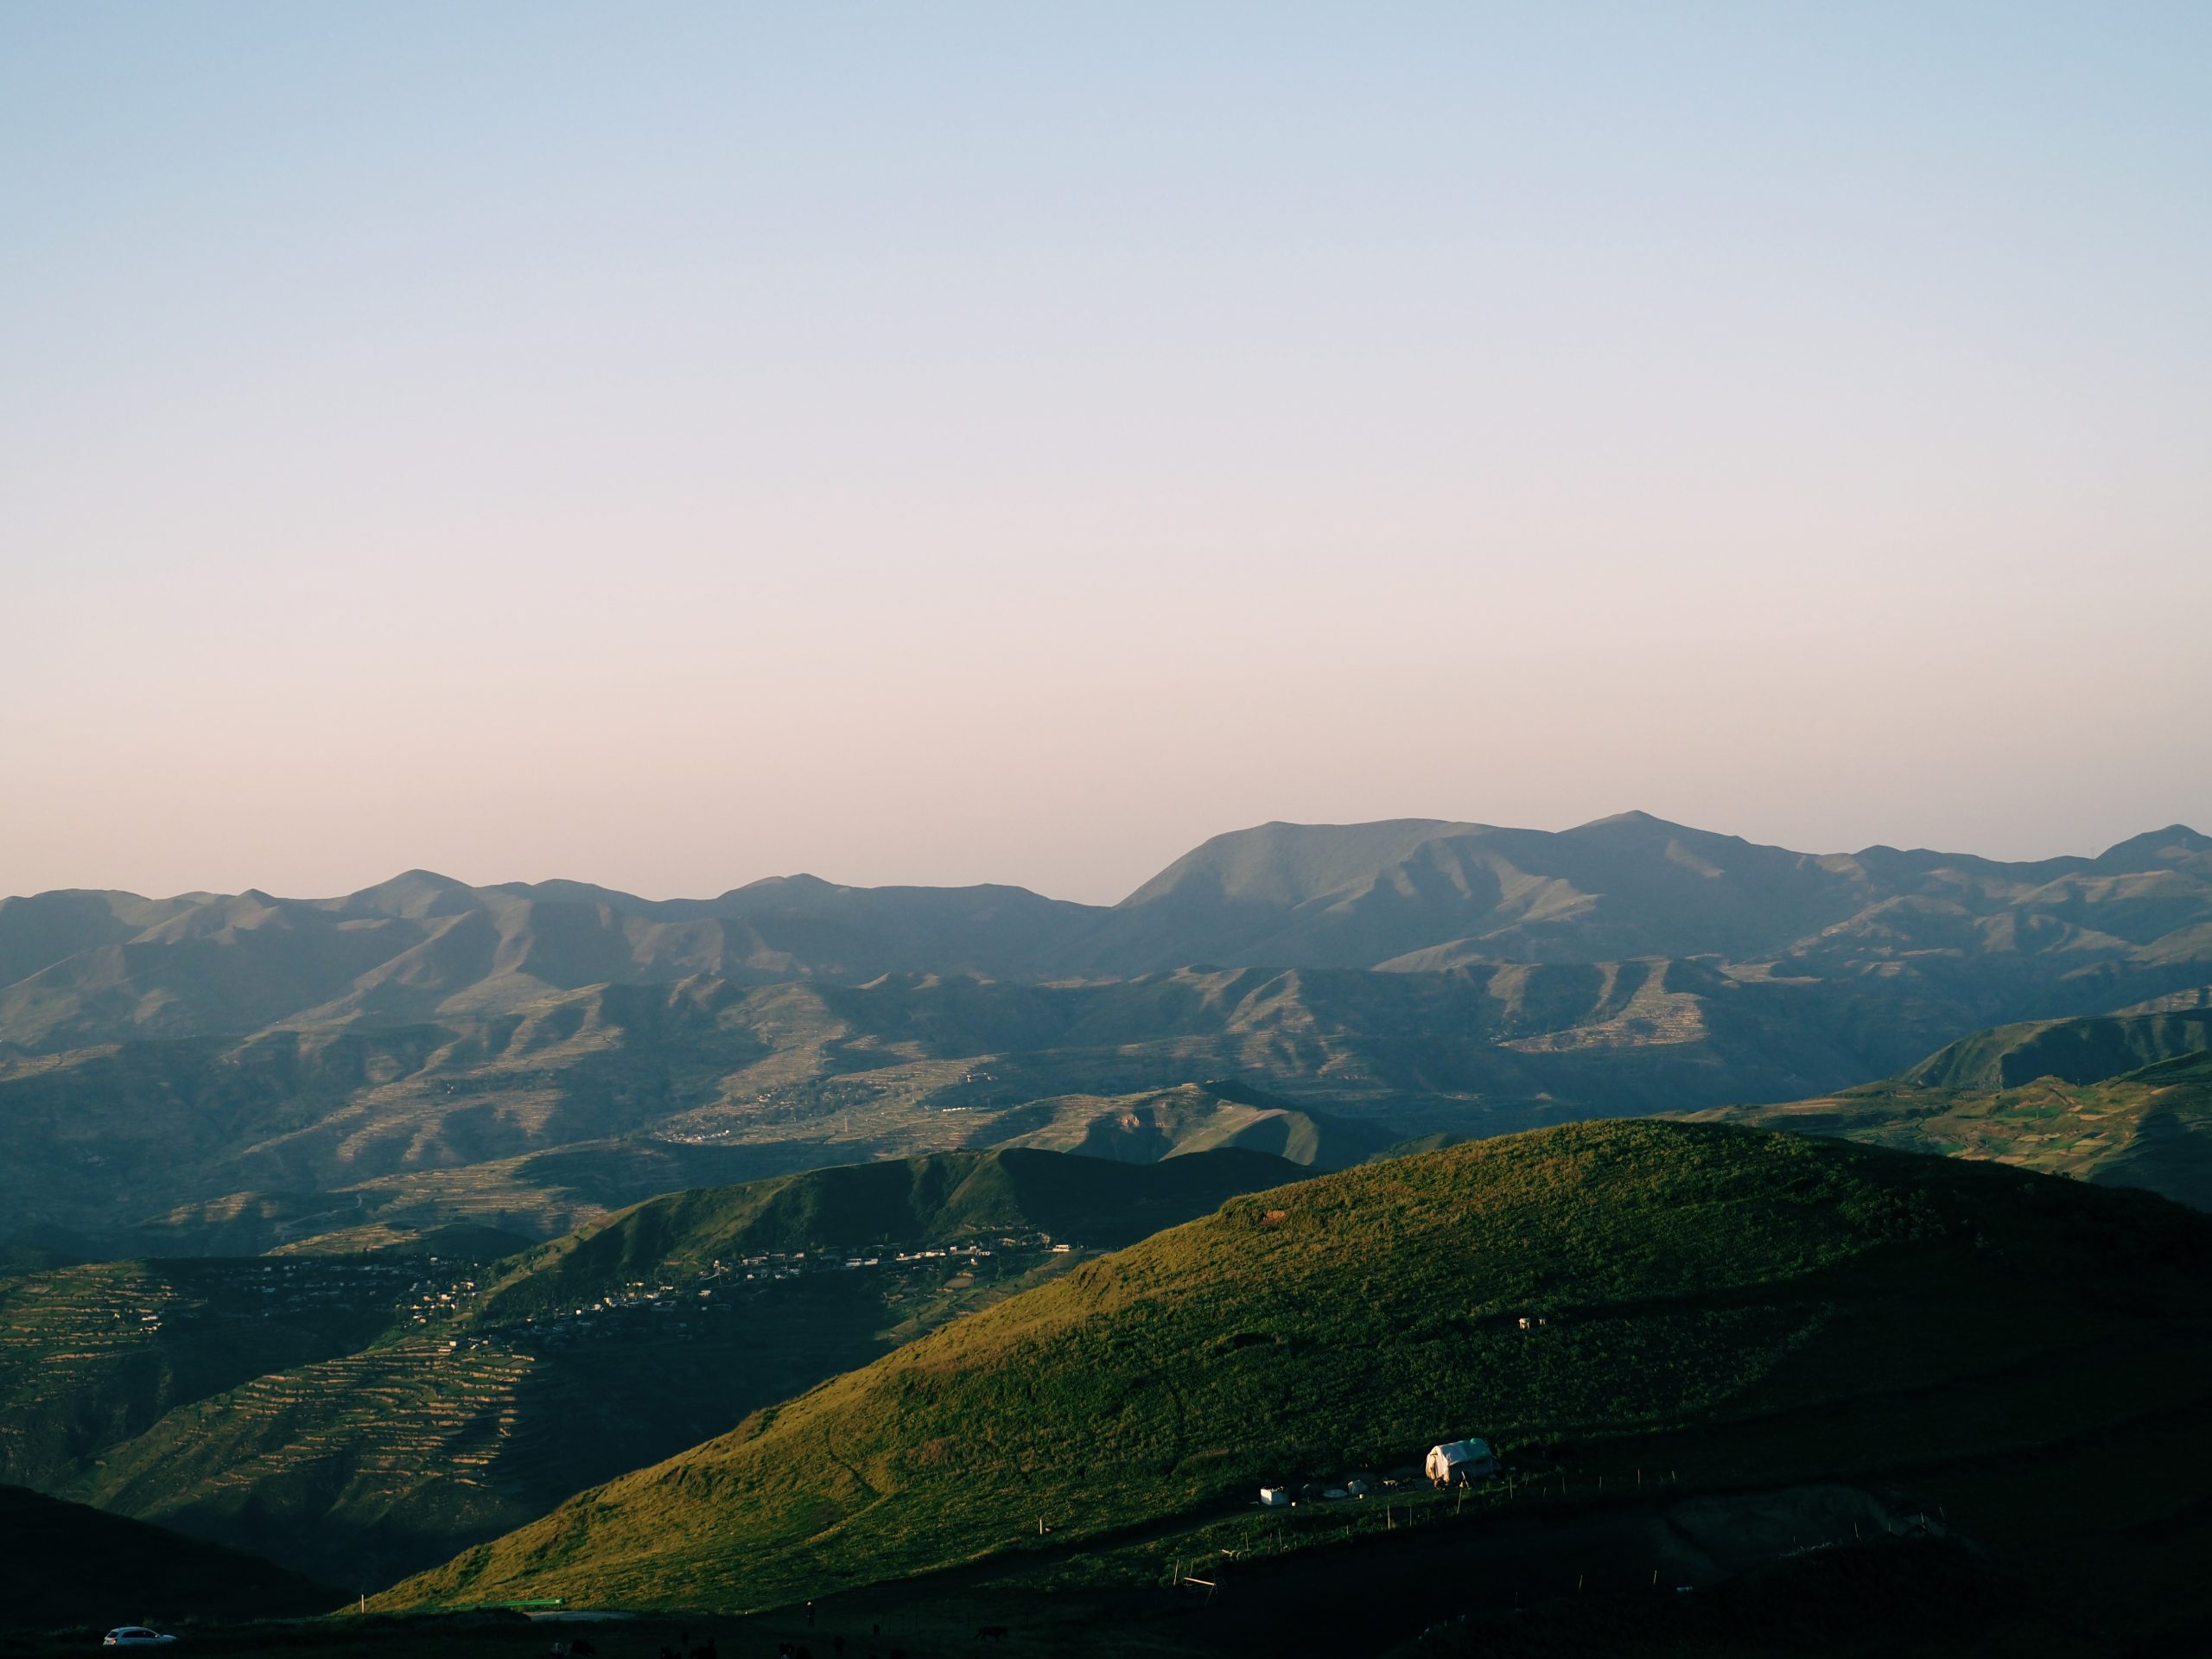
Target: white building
1454, 1462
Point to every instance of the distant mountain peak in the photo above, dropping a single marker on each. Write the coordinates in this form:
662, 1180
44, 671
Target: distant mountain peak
414, 894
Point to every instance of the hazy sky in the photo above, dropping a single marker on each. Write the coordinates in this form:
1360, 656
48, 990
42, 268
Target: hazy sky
671, 445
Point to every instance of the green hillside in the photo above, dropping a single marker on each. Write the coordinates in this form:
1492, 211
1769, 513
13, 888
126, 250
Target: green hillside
66, 1565
1739, 1308
359, 1419
2149, 1128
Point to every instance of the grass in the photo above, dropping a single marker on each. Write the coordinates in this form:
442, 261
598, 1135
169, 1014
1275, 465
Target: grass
1759, 1308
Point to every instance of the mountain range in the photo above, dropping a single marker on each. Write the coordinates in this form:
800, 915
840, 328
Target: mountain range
186, 1073
1408, 894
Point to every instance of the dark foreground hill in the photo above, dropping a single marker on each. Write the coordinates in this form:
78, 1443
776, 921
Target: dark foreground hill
361, 1418
67, 1565
1746, 1311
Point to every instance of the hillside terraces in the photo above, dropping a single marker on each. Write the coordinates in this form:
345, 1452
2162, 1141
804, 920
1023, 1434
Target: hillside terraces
408, 1438
91, 1355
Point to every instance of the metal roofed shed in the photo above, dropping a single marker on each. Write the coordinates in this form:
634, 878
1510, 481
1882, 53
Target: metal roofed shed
1454, 1463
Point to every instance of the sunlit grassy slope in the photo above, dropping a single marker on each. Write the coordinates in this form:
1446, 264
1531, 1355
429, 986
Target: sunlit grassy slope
1759, 1307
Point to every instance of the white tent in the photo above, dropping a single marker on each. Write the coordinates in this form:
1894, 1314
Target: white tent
1453, 1461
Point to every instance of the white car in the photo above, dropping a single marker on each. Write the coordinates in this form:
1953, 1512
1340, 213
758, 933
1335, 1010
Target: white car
134, 1635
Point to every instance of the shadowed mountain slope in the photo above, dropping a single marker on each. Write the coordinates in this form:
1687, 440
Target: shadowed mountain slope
2071, 1051
1742, 1307
68, 1565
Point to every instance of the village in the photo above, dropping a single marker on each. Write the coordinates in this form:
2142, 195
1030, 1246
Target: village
1450, 1463
723, 1284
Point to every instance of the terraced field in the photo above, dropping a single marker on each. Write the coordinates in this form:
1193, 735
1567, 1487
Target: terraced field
92, 1355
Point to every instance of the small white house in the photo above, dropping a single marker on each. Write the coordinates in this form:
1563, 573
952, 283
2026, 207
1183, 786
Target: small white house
1275, 1497
1454, 1462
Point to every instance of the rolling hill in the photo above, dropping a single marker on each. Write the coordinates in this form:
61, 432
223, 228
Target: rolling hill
358, 1419
869, 1208
1748, 1311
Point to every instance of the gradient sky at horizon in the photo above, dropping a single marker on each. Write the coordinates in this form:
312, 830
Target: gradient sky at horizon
670, 446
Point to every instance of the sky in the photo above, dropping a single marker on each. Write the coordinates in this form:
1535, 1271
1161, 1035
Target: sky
670, 446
